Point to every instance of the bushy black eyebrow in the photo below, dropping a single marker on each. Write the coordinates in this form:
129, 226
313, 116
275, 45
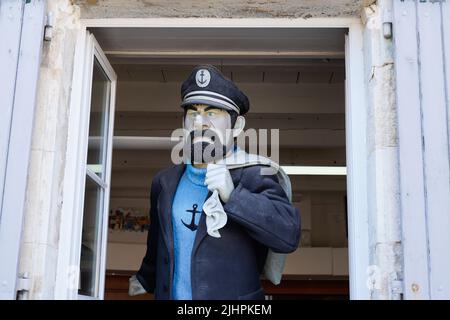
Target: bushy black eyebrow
212, 108
193, 107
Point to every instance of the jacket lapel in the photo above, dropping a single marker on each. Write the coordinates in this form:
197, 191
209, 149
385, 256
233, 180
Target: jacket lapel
169, 186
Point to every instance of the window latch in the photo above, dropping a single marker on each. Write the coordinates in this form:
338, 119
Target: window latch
48, 29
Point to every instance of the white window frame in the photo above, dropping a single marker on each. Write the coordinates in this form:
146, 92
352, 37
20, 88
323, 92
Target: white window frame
356, 110
77, 171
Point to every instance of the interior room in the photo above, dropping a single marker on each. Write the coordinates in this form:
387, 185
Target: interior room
295, 81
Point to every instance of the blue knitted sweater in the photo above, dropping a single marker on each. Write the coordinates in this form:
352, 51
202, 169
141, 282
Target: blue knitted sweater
186, 210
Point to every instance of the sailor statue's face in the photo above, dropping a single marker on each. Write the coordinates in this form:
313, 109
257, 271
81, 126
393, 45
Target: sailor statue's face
208, 133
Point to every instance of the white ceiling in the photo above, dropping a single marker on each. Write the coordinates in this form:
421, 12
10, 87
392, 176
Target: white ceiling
312, 42
264, 71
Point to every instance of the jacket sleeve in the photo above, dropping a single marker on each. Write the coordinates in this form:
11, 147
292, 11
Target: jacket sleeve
147, 272
259, 204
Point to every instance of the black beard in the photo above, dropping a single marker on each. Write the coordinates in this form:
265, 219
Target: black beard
205, 152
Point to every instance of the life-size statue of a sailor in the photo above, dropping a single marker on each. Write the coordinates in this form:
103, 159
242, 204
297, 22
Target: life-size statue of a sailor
217, 222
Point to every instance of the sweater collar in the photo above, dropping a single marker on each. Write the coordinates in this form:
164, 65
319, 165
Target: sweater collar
196, 175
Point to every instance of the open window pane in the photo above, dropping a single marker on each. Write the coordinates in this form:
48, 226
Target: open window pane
98, 123
95, 146
91, 238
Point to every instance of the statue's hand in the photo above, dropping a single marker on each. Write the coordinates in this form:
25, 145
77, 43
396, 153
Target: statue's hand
218, 178
135, 288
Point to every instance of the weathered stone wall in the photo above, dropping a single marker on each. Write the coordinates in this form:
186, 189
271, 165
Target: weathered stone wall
39, 251
218, 8
383, 165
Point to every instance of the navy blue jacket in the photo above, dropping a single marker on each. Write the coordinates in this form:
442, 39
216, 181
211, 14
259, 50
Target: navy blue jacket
227, 268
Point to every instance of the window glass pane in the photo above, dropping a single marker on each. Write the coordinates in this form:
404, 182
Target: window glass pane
98, 123
91, 242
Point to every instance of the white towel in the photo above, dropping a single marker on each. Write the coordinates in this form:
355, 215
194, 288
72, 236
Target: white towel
216, 217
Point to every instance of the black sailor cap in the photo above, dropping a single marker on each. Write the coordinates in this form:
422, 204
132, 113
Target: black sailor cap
207, 85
